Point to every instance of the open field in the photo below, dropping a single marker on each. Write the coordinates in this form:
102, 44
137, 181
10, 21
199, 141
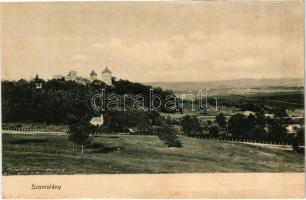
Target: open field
291, 100
140, 154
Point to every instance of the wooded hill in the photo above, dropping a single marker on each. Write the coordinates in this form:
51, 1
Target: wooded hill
66, 102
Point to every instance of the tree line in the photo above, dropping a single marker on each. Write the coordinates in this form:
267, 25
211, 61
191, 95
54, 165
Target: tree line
239, 126
67, 102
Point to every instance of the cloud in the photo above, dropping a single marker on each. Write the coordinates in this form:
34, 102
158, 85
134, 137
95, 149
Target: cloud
188, 55
79, 57
152, 43
114, 42
239, 64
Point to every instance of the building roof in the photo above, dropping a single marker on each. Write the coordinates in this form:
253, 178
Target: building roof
247, 113
269, 115
97, 119
106, 70
93, 73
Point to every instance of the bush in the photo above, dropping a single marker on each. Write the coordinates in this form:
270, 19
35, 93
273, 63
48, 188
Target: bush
221, 120
191, 126
297, 149
213, 131
79, 134
168, 136
299, 139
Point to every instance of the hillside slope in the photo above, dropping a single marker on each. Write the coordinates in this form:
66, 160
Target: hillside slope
140, 154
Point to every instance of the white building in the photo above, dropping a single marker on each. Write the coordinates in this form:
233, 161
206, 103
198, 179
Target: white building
107, 76
97, 121
247, 113
293, 128
269, 115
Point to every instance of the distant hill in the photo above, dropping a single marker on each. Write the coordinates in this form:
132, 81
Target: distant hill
240, 85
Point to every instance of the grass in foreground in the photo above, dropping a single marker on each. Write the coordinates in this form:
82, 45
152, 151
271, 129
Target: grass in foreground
140, 154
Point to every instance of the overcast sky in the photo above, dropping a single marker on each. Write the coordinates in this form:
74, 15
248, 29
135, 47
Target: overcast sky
145, 42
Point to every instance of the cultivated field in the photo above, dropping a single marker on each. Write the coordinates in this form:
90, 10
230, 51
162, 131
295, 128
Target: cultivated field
140, 154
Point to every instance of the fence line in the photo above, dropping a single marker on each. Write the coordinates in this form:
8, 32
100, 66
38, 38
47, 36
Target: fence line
35, 130
244, 140
64, 131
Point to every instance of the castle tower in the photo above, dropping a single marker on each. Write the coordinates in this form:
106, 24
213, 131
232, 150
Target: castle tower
107, 76
93, 75
72, 76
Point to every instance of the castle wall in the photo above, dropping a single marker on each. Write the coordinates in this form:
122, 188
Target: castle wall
107, 78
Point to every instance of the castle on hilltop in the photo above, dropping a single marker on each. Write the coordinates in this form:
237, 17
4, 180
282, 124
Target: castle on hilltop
106, 77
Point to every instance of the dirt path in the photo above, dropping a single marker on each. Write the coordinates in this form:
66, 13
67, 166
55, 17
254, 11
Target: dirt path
272, 146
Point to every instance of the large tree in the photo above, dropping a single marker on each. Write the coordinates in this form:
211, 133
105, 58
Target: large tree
276, 129
191, 126
213, 131
79, 134
237, 126
168, 135
221, 120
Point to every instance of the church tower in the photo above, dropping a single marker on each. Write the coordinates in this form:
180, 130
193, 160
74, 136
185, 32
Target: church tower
107, 76
93, 75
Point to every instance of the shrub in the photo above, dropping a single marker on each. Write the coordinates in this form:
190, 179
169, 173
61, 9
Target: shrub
168, 136
213, 131
221, 120
79, 134
191, 126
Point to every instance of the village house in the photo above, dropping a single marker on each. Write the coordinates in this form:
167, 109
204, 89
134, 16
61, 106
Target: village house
293, 128
97, 121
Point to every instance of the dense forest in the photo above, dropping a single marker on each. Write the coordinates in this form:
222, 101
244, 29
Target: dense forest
65, 102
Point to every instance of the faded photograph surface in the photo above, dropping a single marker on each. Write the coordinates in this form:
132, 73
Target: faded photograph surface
152, 87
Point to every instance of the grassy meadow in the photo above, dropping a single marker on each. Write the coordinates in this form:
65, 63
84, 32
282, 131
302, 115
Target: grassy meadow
115, 154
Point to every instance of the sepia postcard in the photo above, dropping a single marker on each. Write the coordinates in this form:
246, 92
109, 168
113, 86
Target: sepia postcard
167, 99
